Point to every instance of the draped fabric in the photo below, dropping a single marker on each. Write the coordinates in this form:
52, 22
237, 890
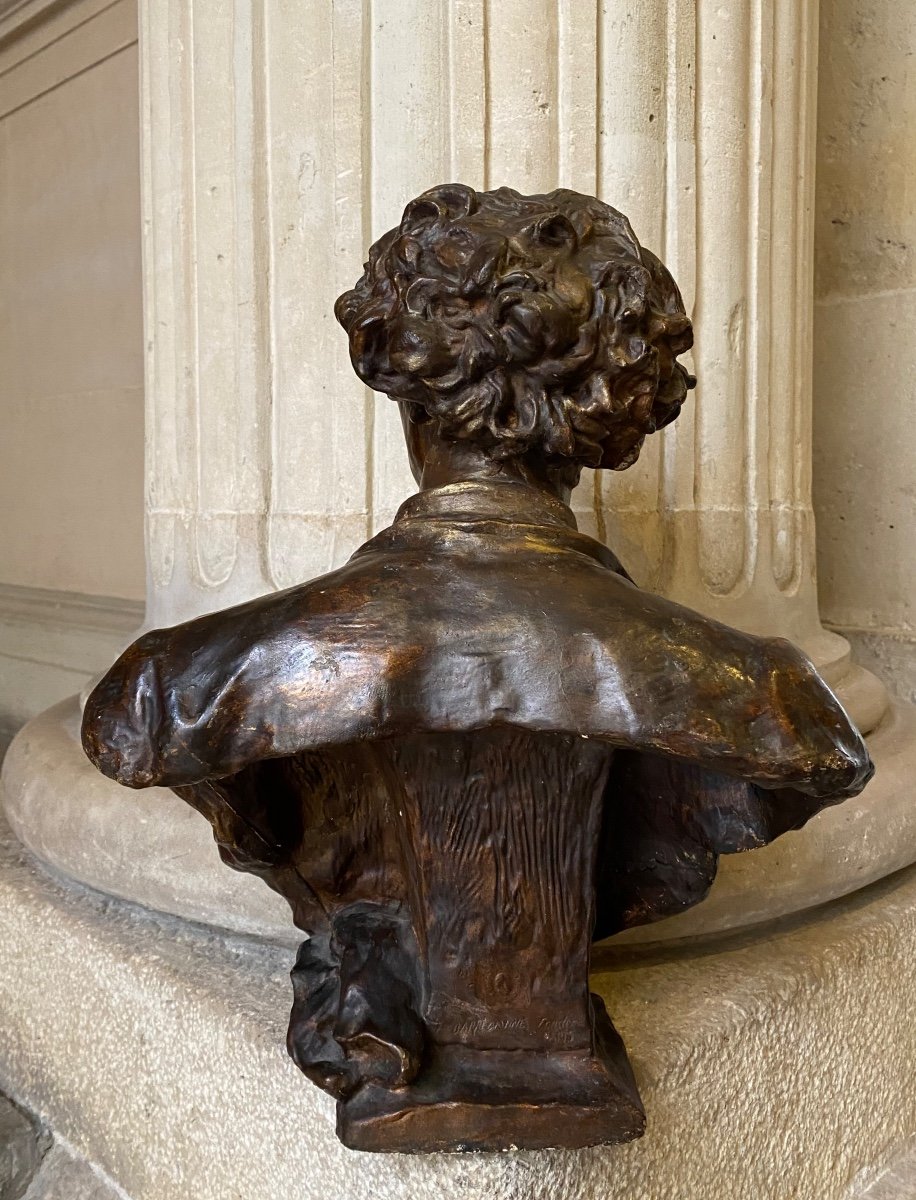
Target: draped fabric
480, 607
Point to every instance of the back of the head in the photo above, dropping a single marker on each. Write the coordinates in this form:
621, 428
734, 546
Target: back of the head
527, 325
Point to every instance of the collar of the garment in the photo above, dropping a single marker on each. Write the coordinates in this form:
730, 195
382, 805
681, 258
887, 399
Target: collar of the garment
489, 499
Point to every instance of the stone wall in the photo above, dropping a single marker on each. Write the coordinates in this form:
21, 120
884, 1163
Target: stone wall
71, 386
865, 332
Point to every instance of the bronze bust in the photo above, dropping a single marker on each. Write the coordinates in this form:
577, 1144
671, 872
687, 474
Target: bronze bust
478, 746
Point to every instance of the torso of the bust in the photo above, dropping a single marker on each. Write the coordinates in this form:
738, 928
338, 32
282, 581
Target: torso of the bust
486, 841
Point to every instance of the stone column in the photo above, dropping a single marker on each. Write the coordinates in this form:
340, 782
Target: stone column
280, 138
268, 463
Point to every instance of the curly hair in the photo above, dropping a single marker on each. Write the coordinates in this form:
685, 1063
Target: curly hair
523, 324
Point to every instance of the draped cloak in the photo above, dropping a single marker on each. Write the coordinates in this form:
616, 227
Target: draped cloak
481, 607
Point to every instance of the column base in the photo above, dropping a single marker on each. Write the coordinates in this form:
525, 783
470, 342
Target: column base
842, 849
151, 848
145, 846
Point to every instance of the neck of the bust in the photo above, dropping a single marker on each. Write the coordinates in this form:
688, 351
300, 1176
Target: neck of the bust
447, 462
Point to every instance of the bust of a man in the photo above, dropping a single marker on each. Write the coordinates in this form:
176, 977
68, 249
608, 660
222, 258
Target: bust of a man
478, 745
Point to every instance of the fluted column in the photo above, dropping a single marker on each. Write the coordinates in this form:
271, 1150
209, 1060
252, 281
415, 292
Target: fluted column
282, 138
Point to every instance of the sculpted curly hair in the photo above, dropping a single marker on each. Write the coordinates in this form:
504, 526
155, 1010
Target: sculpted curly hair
523, 324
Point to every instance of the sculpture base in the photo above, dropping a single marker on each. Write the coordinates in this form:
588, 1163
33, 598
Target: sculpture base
503, 1100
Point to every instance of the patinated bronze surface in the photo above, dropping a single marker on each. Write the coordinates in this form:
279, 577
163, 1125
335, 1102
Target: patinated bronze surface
478, 745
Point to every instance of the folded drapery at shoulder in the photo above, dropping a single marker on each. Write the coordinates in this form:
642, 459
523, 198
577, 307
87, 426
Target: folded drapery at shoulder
475, 610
